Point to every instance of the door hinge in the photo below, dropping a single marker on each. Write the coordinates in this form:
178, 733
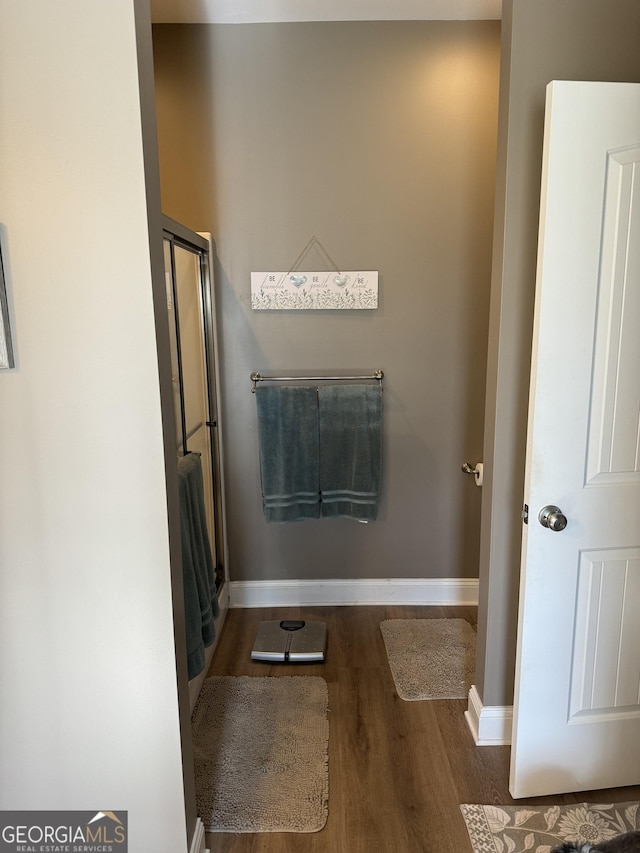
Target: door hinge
525, 513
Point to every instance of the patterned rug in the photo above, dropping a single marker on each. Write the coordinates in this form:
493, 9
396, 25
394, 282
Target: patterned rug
430, 658
515, 829
261, 754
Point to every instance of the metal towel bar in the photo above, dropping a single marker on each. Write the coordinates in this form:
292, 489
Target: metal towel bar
378, 375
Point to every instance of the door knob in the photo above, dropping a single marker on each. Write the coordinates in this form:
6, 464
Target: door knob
553, 518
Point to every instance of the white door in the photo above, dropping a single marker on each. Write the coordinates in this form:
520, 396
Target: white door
577, 698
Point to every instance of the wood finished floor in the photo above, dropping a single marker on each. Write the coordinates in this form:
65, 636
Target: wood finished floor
398, 771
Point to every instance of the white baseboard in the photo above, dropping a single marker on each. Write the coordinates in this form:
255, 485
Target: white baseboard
490, 725
296, 593
198, 843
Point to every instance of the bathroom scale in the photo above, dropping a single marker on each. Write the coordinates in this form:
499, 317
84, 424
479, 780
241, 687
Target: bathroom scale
290, 641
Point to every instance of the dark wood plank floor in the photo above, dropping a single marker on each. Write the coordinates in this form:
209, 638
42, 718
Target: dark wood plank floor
398, 771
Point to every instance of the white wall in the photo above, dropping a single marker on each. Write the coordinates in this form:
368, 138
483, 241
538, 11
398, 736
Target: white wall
88, 699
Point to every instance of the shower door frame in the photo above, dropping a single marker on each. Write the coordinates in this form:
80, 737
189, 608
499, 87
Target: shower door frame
178, 236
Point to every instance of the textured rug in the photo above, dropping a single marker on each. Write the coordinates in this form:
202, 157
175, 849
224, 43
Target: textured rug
430, 658
261, 754
514, 829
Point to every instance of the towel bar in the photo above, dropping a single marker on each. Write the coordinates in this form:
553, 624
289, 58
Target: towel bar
256, 377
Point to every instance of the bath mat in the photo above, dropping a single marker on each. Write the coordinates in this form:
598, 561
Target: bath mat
512, 829
261, 754
430, 658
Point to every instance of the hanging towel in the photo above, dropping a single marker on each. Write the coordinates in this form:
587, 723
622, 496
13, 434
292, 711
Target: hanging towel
200, 599
289, 461
350, 419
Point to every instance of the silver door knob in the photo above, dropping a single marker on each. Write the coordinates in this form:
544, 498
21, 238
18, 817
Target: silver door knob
553, 518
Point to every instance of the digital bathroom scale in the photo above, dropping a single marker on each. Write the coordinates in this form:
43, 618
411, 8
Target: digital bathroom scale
290, 641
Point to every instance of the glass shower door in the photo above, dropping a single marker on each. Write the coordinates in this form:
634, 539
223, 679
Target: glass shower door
192, 375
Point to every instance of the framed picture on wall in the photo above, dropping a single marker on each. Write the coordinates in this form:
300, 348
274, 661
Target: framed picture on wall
6, 347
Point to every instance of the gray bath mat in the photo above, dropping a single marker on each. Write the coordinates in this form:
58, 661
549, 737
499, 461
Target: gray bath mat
430, 658
261, 754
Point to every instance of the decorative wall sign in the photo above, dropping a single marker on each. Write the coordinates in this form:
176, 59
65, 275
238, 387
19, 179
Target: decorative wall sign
303, 291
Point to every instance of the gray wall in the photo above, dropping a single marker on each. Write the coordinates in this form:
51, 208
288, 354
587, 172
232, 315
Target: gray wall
380, 139
542, 40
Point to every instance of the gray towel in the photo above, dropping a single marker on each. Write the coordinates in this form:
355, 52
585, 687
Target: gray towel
350, 419
288, 439
200, 599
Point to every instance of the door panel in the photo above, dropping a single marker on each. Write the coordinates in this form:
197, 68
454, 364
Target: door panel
192, 351
606, 657
614, 447
173, 342
577, 697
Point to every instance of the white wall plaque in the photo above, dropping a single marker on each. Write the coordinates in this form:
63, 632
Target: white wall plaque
296, 291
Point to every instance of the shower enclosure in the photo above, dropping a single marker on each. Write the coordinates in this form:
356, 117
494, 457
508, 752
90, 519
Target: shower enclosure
191, 312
